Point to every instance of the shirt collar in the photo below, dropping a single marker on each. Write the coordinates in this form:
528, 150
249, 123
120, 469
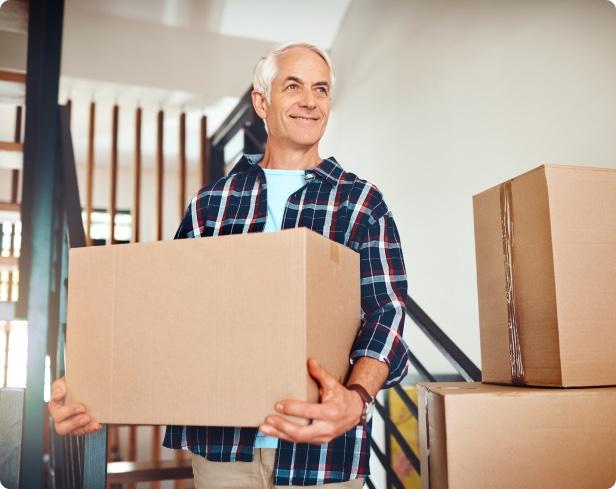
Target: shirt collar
329, 169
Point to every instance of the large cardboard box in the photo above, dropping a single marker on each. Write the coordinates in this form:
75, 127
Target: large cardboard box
208, 331
482, 436
551, 234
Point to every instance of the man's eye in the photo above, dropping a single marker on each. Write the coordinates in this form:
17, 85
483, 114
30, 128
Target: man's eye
322, 90
292, 87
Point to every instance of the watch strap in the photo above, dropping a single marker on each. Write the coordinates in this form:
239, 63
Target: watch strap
365, 396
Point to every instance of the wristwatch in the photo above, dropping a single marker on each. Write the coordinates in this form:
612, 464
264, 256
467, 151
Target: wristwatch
366, 414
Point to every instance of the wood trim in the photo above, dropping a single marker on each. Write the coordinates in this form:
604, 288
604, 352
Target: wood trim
113, 176
10, 206
137, 177
159, 174
11, 146
13, 76
203, 161
182, 161
90, 172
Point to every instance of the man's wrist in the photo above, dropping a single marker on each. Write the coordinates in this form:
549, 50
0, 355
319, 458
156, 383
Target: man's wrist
359, 406
366, 399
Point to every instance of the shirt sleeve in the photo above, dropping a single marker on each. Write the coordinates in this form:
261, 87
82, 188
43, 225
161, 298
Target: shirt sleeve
185, 229
383, 298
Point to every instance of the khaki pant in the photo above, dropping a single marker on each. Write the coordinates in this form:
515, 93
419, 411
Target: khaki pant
247, 475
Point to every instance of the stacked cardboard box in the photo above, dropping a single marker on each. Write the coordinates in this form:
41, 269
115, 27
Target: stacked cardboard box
546, 271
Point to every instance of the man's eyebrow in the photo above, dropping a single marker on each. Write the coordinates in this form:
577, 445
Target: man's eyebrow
293, 78
322, 83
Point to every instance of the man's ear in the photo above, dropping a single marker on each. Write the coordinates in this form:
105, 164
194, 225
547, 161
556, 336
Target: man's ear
259, 103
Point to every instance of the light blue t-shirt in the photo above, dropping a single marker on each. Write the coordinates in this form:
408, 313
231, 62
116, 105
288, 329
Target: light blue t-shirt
280, 185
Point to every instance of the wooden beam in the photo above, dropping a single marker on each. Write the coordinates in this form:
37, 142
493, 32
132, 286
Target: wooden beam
90, 172
18, 123
179, 458
132, 450
113, 176
159, 174
203, 163
12, 76
11, 146
9, 207
137, 177
155, 452
182, 161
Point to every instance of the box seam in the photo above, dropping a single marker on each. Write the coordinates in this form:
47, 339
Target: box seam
549, 195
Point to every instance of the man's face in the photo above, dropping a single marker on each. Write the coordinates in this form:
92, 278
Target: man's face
300, 99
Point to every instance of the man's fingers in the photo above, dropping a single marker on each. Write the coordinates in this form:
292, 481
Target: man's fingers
60, 413
322, 376
308, 410
294, 431
269, 430
92, 427
72, 424
58, 389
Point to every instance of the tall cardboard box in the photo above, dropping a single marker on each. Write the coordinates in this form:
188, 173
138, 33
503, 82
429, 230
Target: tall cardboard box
481, 436
209, 331
551, 234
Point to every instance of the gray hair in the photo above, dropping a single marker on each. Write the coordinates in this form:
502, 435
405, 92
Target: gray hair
267, 68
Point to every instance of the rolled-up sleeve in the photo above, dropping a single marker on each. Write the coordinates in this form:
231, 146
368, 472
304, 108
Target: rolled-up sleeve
383, 296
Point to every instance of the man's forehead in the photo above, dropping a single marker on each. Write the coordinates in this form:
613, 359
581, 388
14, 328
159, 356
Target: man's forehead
302, 64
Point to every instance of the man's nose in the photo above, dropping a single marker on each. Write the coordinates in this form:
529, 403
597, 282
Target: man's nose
308, 99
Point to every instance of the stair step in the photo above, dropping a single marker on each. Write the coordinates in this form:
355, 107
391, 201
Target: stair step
11, 155
124, 472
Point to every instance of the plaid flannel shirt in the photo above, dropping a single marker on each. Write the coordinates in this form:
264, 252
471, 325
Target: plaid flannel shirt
346, 209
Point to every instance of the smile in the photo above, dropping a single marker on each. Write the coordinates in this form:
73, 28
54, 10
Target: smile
297, 117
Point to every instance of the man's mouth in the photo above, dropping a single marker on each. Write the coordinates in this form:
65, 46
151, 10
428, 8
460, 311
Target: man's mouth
304, 118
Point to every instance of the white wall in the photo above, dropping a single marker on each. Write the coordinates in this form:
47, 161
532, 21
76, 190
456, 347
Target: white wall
440, 100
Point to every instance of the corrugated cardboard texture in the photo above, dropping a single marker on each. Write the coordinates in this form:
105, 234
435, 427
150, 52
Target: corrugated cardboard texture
533, 278
206, 331
583, 204
521, 437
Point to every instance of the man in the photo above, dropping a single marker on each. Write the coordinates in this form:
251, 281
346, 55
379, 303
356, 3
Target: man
292, 186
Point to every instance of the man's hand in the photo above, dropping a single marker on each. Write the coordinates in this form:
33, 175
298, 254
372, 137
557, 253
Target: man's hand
340, 410
71, 418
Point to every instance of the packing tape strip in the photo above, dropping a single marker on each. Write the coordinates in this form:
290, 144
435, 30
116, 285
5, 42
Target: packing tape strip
507, 229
